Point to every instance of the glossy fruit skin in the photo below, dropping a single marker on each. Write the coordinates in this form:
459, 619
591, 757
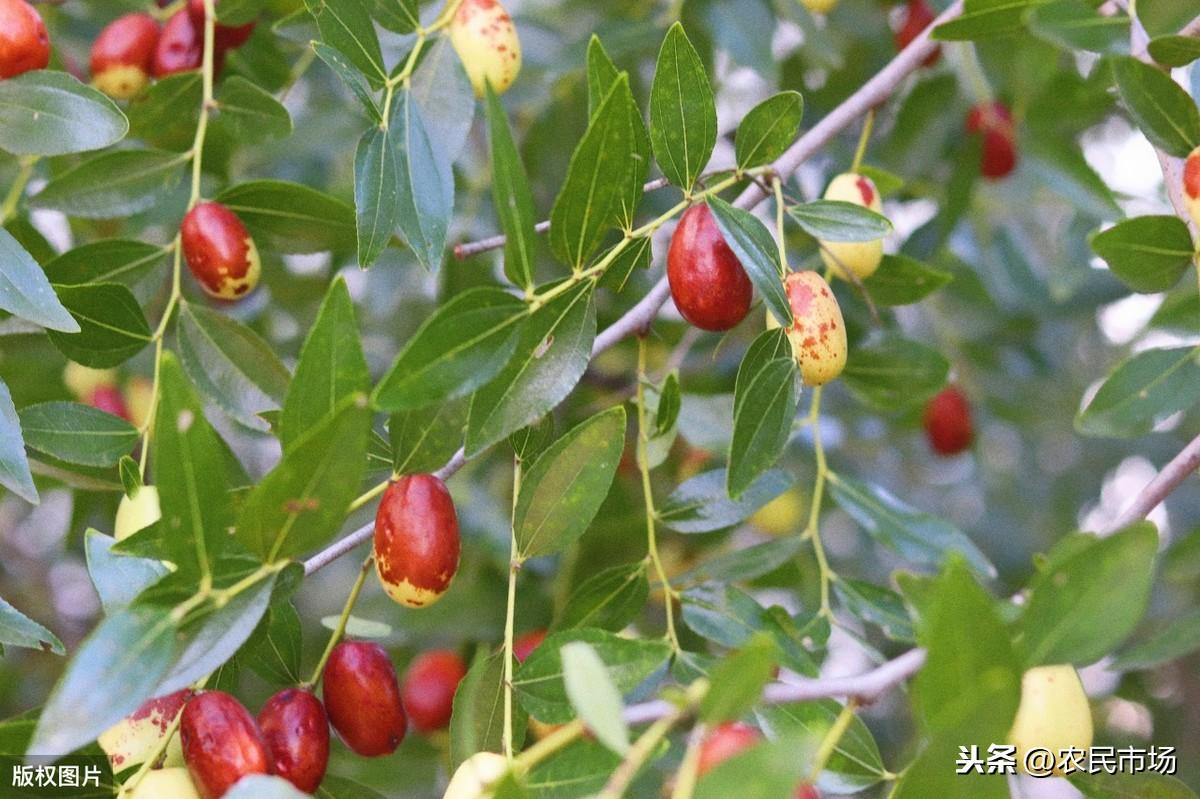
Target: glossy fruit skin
428, 689
476, 775
818, 332
362, 698
708, 283
180, 47
860, 257
947, 422
221, 743
524, 644
1191, 185
24, 44
133, 740
416, 540
1054, 713
123, 56
225, 37
137, 512
723, 742
110, 400
916, 18
296, 731
995, 123
219, 251
165, 783
486, 41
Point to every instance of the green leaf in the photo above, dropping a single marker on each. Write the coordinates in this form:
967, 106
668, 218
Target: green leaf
1174, 51
737, 682
746, 563
1145, 785
855, 763
165, 115
376, 193
1158, 105
441, 87
602, 75
1141, 391
113, 185
422, 440
252, 114
892, 374
1148, 253
702, 504
77, 433
273, 652
683, 113
539, 681
835, 220
331, 367
590, 201
50, 113
1075, 25
769, 129
757, 252
608, 600
876, 605
762, 424
553, 350
14, 466
1088, 603
398, 16
118, 578
107, 261
578, 770
290, 217
114, 670
24, 290
334, 787
112, 328
17, 629
462, 346
230, 364
563, 490
986, 19
919, 537
303, 501
594, 696
477, 724
767, 771
424, 180
1172, 640
349, 75
512, 196
901, 280
729, 617
346, 25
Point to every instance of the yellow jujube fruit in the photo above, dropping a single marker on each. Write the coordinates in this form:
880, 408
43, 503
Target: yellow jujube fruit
137, 512
819, 6
476, 776
139, 399
1191, 185
486, 41
166, 783
1054, 713
860, 257
780, 516
818, 332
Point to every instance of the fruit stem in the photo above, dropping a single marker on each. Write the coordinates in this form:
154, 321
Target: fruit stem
685, 779
777, 188
514, 567
812, 530
17, 190
643, 459
830, 742
864, 139
642, 749
561, 738
366, 497
343, 620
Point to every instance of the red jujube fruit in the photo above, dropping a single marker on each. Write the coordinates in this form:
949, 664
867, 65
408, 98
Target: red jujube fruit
123, 55
225, 37
180, 46
524, 645
948, 422
296, 731
429, 686
221, 743
24, 44
995, 123
916, 18
362, 698
709, 285
110, 400
219, 251
416, 540
725, 741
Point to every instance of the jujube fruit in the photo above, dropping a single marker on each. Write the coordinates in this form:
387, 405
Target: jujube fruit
180, 46
225, 37
221, 743
859, 257
428, 689
994, 122
1191, 185
295, 730
818, 332
1054, 713
123, 56
476, 775
416, 540
137, 512
819, 6
806, 791
723, 742
486, 41
219, 251
362, 698
947, 422
165, 783
135, 739
24, 45
110, 400
82, 380
139, 398
708, 283
916, 17
524, 644
780, 516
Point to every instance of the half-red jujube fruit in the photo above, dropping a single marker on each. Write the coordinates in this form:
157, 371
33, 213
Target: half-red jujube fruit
219, 251
362, 698
709, 285
123, 55
416, 540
